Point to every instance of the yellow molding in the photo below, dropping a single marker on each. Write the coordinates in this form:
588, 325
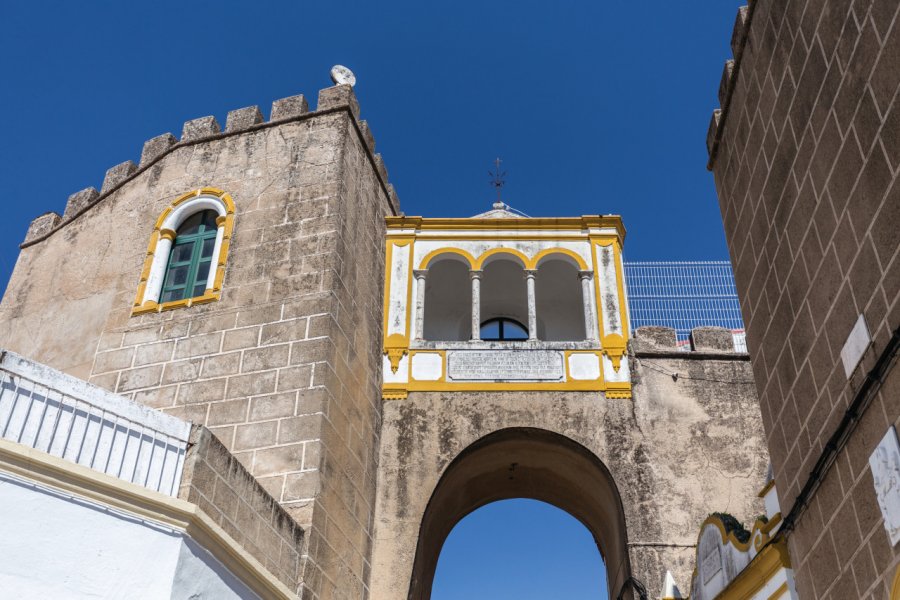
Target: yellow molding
441, 353
141, 307
505, 386
766, 488
469, 224
568, 353
895, 586
426, 262
536, 259
479, 263
395, 346
780, 592
761, 569
104, 489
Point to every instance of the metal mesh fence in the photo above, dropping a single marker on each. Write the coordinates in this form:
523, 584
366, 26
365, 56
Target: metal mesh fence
684, 295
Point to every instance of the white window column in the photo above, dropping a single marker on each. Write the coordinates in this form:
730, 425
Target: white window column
158, 268
420, 303
476, 304
590, 328
217, 250
532, 304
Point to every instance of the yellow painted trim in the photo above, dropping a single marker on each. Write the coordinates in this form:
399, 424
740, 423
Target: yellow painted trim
535, 261
426, 262
895, 587
104, 489
388, 259
506, 386
479, 263
762, 493
140, 307
443, 355
761, 569
479, 236
469, 224
395, 346
780, 592
568, 353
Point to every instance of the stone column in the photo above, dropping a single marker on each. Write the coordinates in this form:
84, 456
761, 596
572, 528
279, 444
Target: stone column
532, 304
420, 303
476, 304
590, 329
158, 268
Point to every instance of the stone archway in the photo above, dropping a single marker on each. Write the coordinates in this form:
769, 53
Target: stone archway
524, 463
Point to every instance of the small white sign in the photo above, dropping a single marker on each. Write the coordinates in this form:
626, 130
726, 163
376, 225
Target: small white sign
855, 346
885, 464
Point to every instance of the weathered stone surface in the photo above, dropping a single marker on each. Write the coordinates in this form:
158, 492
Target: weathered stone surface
286, 108
367, 135
712, 339
117, 174
654, 338
683, 448
42, 225
242, 118
222, 487
304, 268
807, 181
338, 95
199, 128
155, 147
79, 200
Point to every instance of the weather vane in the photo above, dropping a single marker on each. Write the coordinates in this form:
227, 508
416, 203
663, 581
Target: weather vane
498, 178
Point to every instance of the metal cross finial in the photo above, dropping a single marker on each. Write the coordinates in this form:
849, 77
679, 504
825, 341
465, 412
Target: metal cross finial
498, 178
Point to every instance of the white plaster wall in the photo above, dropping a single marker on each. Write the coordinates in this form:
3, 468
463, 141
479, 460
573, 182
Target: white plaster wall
54, 545
399, 290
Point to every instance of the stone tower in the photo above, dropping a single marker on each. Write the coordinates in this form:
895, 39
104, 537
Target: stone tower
382, 376
280, 355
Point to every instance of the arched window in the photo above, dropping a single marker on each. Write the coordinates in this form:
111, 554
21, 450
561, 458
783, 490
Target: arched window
185, 262
189, 261
503, 329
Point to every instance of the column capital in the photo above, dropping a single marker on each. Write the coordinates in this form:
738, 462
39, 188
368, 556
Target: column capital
475, 273
420, 273
530, 273
585, 275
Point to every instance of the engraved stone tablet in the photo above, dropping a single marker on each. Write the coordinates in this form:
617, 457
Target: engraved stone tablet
505, 365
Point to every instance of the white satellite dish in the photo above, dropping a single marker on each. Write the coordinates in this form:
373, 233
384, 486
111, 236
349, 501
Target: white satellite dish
341, 75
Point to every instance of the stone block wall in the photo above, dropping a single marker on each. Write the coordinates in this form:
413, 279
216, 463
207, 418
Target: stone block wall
689, 443
222, 488
285, 367
806, 158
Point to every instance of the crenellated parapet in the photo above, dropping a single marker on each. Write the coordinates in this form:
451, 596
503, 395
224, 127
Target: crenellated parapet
205, 129
703, 341
729, 77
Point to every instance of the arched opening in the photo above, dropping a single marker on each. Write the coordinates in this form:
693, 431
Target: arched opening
525, 463
190, 258
448, 300
503, 290
519, 549
559, 300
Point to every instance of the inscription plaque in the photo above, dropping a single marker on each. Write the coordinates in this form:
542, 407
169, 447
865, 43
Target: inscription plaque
505, 365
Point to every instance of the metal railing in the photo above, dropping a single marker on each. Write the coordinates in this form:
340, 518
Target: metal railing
63, 416
684, 295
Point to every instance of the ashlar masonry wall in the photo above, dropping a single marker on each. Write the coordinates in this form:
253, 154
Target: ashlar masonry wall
806, 158
284, 367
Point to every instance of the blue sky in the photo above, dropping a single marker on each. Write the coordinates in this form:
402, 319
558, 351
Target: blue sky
595, 107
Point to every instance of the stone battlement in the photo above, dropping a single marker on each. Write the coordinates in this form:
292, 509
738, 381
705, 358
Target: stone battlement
206, 129
705, 341
729, 77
